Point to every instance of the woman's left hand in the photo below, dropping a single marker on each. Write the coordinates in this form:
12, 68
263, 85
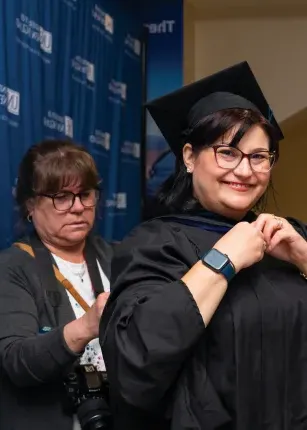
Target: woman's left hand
283, 241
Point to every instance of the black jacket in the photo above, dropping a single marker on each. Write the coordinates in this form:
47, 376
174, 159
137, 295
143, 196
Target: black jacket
33, 359
246, 371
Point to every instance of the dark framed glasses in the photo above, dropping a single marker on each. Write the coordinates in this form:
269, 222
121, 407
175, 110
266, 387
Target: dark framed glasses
64, 200
228, 157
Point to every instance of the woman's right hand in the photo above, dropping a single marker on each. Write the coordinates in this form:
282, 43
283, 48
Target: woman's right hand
91, 319
80, 332
244, 244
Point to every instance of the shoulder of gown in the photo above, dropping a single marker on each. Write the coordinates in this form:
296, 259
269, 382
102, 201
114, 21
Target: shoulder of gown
151, 320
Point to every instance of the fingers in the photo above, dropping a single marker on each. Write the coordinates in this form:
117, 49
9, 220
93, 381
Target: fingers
276, 239
269, 225
280, 236
102, 300
260, 222
270, 228
103, 297
259, 229
261, 238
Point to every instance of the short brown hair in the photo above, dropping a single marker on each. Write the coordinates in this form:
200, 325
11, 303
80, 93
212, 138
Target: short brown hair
51, 166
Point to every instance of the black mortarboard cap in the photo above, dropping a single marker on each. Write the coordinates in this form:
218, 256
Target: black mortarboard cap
234, 87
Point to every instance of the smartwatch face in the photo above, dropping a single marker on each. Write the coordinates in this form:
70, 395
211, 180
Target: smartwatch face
216, 259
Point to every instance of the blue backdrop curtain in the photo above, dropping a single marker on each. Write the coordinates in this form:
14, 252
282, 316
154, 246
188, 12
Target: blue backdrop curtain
72, 69
164, 20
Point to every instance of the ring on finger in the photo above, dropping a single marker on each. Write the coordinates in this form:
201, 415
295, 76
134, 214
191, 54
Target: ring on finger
280, 223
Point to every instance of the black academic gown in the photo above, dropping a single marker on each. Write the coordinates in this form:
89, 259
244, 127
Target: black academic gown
246, 371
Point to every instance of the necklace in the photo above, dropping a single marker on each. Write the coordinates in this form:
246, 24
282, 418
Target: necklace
77, 269
81, 272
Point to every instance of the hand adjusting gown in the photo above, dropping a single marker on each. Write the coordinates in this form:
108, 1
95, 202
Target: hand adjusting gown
246, 371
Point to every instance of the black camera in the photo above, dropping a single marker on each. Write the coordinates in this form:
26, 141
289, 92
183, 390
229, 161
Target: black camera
87, 394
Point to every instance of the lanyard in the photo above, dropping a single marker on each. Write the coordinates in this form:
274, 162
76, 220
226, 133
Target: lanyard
50, 274
61, 278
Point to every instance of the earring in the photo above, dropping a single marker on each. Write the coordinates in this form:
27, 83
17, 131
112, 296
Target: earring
189, 170
29, 218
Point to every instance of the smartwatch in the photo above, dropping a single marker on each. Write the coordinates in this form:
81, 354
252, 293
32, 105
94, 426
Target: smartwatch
219, 263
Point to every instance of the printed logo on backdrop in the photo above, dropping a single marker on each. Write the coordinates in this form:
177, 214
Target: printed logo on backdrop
103, 23
131, 152
117, 201
162, 27
102, 140
71, 3
34, 38
62, 124
132, 47
9, 106
117, 92
83, 72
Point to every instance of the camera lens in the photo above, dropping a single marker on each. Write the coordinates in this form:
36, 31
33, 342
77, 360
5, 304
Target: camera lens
94, 414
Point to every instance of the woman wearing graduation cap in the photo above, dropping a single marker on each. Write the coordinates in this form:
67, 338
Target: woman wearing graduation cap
206, 327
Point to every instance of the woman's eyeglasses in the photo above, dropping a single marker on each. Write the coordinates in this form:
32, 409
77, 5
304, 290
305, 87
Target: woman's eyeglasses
228, 157
64, 200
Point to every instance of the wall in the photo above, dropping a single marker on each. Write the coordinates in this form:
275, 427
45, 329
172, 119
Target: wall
289, 175
275, 49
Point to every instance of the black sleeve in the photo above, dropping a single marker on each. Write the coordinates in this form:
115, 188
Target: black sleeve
299, 226
27, 357
151, 321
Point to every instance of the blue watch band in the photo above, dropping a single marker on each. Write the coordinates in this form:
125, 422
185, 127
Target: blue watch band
228, 271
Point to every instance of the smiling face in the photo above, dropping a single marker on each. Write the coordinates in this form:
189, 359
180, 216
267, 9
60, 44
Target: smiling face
229, 192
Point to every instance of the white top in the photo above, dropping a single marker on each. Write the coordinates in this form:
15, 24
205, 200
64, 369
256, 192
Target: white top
77, 274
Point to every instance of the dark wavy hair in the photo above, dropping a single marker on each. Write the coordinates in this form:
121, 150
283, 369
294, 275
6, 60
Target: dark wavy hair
176, 193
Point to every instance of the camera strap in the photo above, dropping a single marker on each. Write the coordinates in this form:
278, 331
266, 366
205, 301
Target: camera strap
49, 271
